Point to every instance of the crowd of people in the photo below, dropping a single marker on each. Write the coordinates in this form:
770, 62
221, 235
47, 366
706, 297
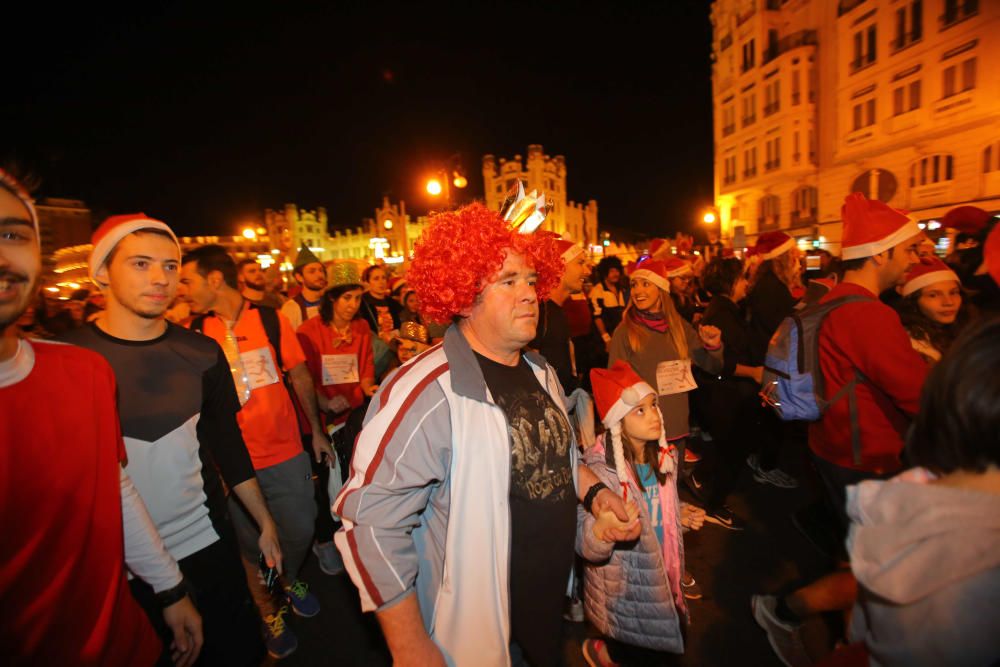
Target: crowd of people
502, 437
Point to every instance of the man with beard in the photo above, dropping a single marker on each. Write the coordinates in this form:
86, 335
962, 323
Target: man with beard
68, 509
178, 408
310, 274
255, 285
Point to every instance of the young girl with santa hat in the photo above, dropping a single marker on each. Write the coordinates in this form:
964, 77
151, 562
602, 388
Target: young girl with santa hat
931, 308
633, 593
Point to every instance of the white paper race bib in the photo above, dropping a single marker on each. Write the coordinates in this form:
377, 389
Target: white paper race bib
674, 377
259, 367
340, 369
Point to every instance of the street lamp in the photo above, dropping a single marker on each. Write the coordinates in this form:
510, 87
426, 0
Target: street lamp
249, 234
709, 218
447, 176
434, 187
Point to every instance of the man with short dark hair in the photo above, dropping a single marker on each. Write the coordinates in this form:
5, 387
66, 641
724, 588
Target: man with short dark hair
310, 274
261, 347
178, 411
254, 285
68, 509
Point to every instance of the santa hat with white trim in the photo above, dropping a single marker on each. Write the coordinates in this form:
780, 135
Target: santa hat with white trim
991, 254
659, 249
772, 244
930, 270
872, 227
12, 185
677, 267
616, 392
113, 230
653, 270
568, 249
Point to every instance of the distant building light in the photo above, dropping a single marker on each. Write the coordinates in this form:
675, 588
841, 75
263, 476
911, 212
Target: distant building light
933, 224
922, 225
314, 249
249, 234
275, 251
606, 242
387, 224
392, 260
52, 289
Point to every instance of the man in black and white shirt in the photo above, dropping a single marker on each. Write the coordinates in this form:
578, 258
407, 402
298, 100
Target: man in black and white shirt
178, 405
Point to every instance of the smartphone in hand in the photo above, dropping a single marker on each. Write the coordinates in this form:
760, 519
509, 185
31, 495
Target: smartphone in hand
269, 574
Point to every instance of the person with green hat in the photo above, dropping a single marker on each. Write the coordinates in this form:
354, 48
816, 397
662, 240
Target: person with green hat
310, 274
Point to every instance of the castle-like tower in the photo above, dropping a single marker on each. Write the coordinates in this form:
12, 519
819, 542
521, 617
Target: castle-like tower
547, 175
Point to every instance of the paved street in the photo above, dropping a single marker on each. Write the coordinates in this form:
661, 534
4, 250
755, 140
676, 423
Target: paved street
770, 555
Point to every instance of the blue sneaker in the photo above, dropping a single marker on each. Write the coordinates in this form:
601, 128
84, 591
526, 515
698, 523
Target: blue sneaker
303, 602
279, 640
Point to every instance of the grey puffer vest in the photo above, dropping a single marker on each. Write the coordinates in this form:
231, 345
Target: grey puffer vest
627, 591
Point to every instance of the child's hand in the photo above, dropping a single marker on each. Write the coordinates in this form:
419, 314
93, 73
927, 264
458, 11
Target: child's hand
609, 528
711, 337
692, 517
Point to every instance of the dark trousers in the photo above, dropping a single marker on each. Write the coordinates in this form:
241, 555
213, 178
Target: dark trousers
734, 435
836, 479
219, 590
627, 654
325, 525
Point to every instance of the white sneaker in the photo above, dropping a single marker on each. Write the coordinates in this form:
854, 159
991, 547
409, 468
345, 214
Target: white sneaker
784, 638
329, 558
775, 477
574, 611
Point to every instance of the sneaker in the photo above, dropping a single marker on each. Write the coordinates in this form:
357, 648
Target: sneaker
302, 601
692, 591
574, 611
783, 637
690, 456
595, 652
329, 558
775, 477
695, 486
279, 640
724, 517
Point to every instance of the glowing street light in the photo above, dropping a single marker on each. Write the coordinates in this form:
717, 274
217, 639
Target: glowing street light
249, 234
387, 224
434, 187
709, 218
459, 181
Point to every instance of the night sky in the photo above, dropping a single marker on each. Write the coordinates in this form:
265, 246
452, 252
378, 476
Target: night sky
204, 117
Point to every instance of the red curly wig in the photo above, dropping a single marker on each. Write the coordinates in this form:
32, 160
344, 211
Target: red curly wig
461, 250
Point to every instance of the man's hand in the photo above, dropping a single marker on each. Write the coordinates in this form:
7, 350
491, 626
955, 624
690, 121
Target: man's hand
270, 547
692, 517
627, 515
608, 528
369, 389
711, 337
185, 622
337, 404
321, 446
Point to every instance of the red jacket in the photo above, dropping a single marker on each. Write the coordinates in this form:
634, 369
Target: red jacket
867, 336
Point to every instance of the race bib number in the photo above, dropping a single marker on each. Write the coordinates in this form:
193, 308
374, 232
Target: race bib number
340, 369
674, 377
259, 367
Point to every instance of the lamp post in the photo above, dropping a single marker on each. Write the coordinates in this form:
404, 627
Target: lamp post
448, 176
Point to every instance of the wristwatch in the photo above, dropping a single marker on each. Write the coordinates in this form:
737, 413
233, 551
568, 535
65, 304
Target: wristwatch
172, 595
588, 500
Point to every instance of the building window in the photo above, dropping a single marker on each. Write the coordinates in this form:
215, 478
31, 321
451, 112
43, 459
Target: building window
750, 162
729, 176
958, 10
958, 78
749, 109
768, 211
864, 48
932, 169
804, 205
749, 57
728, 120
773, 154
864, 114
796, 87
812, 146
909, 25
772, 100
906, 98
991, 158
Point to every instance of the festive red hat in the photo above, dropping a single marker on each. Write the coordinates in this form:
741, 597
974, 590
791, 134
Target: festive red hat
653, 270
966, 219
659, 248
872, 227
113, 230
771, 244
677, 267
991, 254
928, 271
616, 392
15, 188
568, 250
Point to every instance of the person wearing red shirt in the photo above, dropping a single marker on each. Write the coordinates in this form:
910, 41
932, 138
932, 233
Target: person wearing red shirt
71, 518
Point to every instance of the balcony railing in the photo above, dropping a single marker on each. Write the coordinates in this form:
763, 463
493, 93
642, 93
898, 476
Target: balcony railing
789, 42
749, 120
956, 12
847, 5
905, 40
772, 165
749, 173
729, 180
771, 108
728, 129
804, 218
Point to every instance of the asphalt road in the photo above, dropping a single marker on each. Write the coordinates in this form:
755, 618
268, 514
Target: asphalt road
770, 555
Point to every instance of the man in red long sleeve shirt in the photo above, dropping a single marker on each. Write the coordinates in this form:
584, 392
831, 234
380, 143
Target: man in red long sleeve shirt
878, 247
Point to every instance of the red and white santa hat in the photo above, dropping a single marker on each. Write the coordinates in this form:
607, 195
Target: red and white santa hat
928, 271
616, 392
991, 254
15, 188
653, 270
113, 230
677, 267
872, 227
659, 249
772, 244
969, 220
568, 249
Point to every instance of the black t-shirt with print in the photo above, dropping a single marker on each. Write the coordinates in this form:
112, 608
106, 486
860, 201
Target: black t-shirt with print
542, 508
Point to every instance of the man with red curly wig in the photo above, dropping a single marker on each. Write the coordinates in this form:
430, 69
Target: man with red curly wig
459, 516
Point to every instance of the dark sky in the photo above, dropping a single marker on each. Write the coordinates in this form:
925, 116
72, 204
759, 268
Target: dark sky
204, 117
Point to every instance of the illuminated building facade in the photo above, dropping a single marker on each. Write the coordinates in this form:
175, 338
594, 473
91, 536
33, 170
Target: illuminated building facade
547, 175
814, 99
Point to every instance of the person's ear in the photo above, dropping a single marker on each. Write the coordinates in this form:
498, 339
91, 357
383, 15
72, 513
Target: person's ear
215, 280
